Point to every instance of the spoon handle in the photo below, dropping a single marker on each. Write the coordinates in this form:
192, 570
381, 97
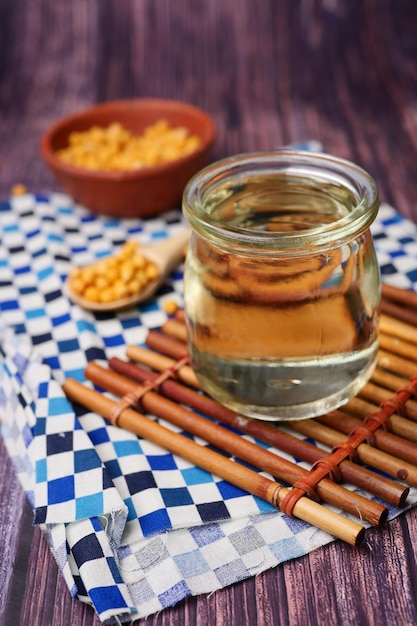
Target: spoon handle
169, 251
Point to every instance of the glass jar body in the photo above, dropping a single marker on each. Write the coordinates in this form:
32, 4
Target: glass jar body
281, 292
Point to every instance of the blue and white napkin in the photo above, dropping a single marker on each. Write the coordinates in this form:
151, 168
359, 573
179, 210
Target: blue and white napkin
134, 529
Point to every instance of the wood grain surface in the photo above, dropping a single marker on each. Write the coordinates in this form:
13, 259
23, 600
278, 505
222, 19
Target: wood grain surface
271, 72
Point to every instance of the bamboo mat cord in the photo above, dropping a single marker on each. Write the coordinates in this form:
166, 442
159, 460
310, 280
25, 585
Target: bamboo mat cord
133, 397
386, 489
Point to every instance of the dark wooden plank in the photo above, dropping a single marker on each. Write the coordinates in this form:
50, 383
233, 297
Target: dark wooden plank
15, 540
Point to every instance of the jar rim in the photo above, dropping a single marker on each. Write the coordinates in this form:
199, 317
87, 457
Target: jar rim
293, 162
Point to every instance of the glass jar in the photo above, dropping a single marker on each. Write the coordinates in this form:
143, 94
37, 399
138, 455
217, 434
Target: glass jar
281, 282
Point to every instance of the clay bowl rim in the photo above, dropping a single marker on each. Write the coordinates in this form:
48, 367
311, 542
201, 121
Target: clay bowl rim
207, 137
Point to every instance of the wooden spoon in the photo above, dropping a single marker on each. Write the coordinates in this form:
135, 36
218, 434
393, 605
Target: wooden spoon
166, 254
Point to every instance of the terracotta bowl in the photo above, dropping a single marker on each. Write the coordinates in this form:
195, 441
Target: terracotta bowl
140, 193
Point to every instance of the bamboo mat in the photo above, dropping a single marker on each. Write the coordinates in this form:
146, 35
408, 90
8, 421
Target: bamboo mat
374, 433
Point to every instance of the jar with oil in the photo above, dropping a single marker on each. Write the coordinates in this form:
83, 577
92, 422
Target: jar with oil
281, 283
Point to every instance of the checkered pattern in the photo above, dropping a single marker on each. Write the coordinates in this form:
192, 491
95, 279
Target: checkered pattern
133, 528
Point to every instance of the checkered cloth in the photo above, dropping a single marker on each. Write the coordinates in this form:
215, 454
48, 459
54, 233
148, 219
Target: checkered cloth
133, 528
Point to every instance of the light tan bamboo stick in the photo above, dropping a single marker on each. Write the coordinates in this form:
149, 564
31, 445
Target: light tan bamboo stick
154, 361
395, 335
249, 480
235, 445
176, 329
398, 346
365, 453
396, 364
398, 328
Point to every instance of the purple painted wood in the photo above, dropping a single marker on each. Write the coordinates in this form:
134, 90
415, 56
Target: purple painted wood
271, 73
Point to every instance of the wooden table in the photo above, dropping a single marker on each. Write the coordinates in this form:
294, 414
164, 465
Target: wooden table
271, 73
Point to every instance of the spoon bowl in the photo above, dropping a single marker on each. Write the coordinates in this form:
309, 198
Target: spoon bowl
166, 254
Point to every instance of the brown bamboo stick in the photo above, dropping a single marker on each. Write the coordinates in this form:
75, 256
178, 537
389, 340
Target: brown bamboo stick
398, 294
365, 453
165, 344
398, 312
399, 303
235, 445
155, 360
180, 315
385, 441
385, 488
213, 462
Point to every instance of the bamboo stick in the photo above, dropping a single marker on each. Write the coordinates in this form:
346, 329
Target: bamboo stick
154, 360
213, 462
388, 380
165, 345
237, 446
385, 488
400, 426
396, 364
399, 303
398, 346
404, 296
398, 328
180, 316
176, 329
366, 454
398, 312
377, 394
